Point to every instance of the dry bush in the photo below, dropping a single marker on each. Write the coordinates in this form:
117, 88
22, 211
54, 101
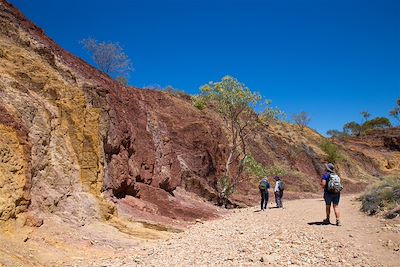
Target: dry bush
382, 196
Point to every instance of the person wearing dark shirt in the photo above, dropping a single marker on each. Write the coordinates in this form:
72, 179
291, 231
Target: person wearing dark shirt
264, 186
329, 197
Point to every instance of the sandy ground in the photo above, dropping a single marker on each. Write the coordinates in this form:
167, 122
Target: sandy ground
245, 237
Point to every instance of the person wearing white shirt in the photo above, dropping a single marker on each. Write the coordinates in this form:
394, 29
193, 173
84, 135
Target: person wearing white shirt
278, 190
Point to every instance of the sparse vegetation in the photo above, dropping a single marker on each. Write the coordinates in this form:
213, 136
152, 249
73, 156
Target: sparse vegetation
226, 187
352, 128
198, 102
302, 119
108, 57
277, 170
332, 152
173, 91
122, 80
377, 123
383, 196
355, 129
270, 114
254, 168
395, 112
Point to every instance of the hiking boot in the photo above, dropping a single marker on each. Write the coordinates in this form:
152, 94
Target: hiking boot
326, 222
338, 223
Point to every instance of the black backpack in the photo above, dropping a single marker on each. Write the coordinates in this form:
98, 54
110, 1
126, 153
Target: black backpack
281, 186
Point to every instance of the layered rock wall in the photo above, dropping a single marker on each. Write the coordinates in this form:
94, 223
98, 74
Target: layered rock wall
51, 133
76, 144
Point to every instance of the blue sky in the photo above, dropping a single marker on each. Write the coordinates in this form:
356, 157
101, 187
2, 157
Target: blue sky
332, 59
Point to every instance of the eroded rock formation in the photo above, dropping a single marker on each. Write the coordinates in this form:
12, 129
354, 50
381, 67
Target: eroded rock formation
75, 144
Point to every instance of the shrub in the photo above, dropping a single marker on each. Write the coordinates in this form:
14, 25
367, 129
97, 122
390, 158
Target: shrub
382, 196
332, 151
277, 170
254, 168
352, 128
302, 119
225, 189
109, 57
173, 91
199, 102
377, 123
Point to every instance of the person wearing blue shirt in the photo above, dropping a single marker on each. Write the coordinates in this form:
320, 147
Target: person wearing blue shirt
329, 197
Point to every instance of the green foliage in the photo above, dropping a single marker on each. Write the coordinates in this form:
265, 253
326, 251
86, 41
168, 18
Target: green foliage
302, 119
352, 128
225, 186
257, 170
381, 196
198, 102
332, 152
277, 170
230, 97
254, 168
355, 129
270, 114
108, 57
235, 102
377, 123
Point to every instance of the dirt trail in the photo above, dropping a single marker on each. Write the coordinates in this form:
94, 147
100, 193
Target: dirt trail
249, 237
284, 237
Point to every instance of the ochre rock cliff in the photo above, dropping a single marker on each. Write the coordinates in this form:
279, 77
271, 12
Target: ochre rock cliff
76, 145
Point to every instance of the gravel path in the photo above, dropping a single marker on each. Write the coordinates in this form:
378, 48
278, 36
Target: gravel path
284, 237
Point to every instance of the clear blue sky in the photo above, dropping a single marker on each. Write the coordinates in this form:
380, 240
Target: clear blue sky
331, 59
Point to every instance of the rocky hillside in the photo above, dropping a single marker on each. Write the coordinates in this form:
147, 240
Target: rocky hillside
76, 145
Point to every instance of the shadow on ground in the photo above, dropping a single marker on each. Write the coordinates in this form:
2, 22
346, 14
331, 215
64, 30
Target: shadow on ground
319, 223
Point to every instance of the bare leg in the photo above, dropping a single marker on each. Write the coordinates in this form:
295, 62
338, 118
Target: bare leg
328, 211
337, 211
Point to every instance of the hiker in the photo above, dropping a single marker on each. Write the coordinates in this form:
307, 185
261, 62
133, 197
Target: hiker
264, 186
330, 182
278, 190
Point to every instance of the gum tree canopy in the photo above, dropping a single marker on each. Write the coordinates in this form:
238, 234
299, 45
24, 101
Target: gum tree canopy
235, 102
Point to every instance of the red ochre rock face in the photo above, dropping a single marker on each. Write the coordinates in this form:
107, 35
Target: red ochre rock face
156, 143
78, 145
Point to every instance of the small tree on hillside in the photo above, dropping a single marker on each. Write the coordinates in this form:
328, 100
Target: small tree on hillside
302, 119
365, 115
395, 112
234, 102
352, 128
377, 123
108, 57
332, 151
270, 114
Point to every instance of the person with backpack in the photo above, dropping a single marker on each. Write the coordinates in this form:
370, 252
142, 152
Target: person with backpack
263, 187
332, 186
278, 190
